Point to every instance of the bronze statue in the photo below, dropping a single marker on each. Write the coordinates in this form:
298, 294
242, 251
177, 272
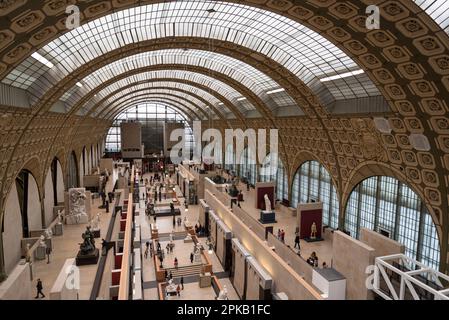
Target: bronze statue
89, 242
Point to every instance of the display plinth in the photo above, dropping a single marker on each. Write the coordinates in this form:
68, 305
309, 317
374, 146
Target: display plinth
40, 253
87, 259
59, 229
71, 220
313, 239
267, 217
205, 280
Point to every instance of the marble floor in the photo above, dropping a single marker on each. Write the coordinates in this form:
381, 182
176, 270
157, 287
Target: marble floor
182, 251
66, 247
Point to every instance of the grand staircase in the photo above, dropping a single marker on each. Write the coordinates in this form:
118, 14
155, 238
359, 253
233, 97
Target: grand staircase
191, 270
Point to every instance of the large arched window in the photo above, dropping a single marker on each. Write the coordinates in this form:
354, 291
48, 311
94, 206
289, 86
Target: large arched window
229, 158
248, 166
275, 172
313, 182
72, 181
388, 206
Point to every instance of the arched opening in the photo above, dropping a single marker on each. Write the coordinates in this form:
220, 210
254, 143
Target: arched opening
72, 172
53, 190
388, 206
248, 166
229, 158
272, 169
312, 182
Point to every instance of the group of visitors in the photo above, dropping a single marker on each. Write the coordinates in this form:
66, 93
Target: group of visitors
149, 249
281, 235
200, 230
313, 260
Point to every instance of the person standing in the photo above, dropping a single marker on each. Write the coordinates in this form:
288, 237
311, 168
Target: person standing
176, 263
297, 241
178, 290
182, 283
191, 257
39, 288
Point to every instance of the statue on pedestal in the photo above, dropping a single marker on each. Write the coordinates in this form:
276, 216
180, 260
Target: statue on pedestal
60, 217
95, 223
313, 231
88, 245
77, 206
267, 203
42, 242
223, 295
48, 233
28, 253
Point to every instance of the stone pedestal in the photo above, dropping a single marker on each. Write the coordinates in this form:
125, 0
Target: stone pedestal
87, 259
83, 219
39, 253
197, 257
59, 229
267, 217
205, 280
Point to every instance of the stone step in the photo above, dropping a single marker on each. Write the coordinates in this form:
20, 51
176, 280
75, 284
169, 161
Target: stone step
185, 270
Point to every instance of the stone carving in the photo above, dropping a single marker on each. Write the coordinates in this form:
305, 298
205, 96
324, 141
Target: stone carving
267, 203
313, 231
42, 241
77, 206
95, 223
370, 141
48, 233
88, 245
223, 295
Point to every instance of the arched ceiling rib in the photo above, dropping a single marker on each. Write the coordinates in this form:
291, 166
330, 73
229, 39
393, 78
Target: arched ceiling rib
147, 88
185, 103
133, 102
244, 74
209, 98
304, 52
228, 88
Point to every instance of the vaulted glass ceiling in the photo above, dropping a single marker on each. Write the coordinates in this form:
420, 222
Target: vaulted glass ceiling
223, 89
438, 10
245, 74
302, 51
169, 87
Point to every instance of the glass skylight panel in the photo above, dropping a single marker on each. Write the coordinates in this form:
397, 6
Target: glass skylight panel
438, 10
303, 51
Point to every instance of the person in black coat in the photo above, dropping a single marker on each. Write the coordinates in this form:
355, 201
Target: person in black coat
39, 288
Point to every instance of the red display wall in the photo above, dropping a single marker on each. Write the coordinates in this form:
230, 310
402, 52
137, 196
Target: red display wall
261, 192
308, 217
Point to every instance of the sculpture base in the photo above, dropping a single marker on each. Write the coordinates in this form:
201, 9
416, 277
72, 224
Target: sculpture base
267, 217
313, 239
83, 219
87, 259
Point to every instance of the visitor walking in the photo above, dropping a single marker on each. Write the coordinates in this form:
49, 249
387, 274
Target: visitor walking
39, 288
176, 263
182, 283
178, 290
191, 257
297, 240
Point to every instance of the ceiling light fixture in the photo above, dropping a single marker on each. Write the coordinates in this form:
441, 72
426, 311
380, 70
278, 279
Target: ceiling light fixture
42, 60
241, 99
276, 91
343, 75
220, 103
79, 84
212, 10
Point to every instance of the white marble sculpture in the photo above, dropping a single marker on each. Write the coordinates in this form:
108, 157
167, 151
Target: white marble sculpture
95, 223
223, 295
313, 231
28, 253
60, 217
77, 206
48, 233
267, 203
42, 241
172, 236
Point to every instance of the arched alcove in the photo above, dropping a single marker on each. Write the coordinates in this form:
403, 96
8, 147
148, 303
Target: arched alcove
386, 205
313, 182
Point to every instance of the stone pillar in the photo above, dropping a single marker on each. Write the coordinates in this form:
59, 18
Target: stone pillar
89, 205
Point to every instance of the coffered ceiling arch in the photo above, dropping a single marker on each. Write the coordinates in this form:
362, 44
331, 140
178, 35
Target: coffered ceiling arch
163, 101
169, 88
99, 109
214, 81
186, 106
